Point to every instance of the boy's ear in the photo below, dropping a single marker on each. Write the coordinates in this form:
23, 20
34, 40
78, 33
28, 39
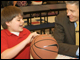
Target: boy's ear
7, 23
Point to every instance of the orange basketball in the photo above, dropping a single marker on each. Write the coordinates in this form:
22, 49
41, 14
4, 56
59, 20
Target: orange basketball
44, 47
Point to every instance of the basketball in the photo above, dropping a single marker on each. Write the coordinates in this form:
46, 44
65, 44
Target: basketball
44, 47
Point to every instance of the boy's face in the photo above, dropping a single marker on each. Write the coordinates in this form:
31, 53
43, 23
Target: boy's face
16, 25
73, 12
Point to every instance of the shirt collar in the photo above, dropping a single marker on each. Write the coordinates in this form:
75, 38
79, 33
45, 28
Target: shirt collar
9, 33
75, 24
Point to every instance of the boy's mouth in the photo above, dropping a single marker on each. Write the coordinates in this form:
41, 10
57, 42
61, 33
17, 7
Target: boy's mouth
21, 25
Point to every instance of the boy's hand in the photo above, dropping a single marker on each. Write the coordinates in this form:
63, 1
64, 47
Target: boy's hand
32, 35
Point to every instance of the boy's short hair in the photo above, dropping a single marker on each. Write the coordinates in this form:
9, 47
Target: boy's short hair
8, 13
72, 2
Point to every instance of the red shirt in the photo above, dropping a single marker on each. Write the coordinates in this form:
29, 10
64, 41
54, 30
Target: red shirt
8, 40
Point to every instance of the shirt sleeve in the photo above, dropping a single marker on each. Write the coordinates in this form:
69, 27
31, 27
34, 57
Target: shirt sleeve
77, 52
4, 44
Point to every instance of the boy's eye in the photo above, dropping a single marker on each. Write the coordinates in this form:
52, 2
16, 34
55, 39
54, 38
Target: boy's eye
18, 20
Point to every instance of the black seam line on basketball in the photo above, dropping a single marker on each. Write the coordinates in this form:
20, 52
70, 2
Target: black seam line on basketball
36, 53
52, 45
45, 49
41, 40
47, 39
34, 41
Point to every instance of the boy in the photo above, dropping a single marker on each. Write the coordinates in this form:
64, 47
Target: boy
15, 40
